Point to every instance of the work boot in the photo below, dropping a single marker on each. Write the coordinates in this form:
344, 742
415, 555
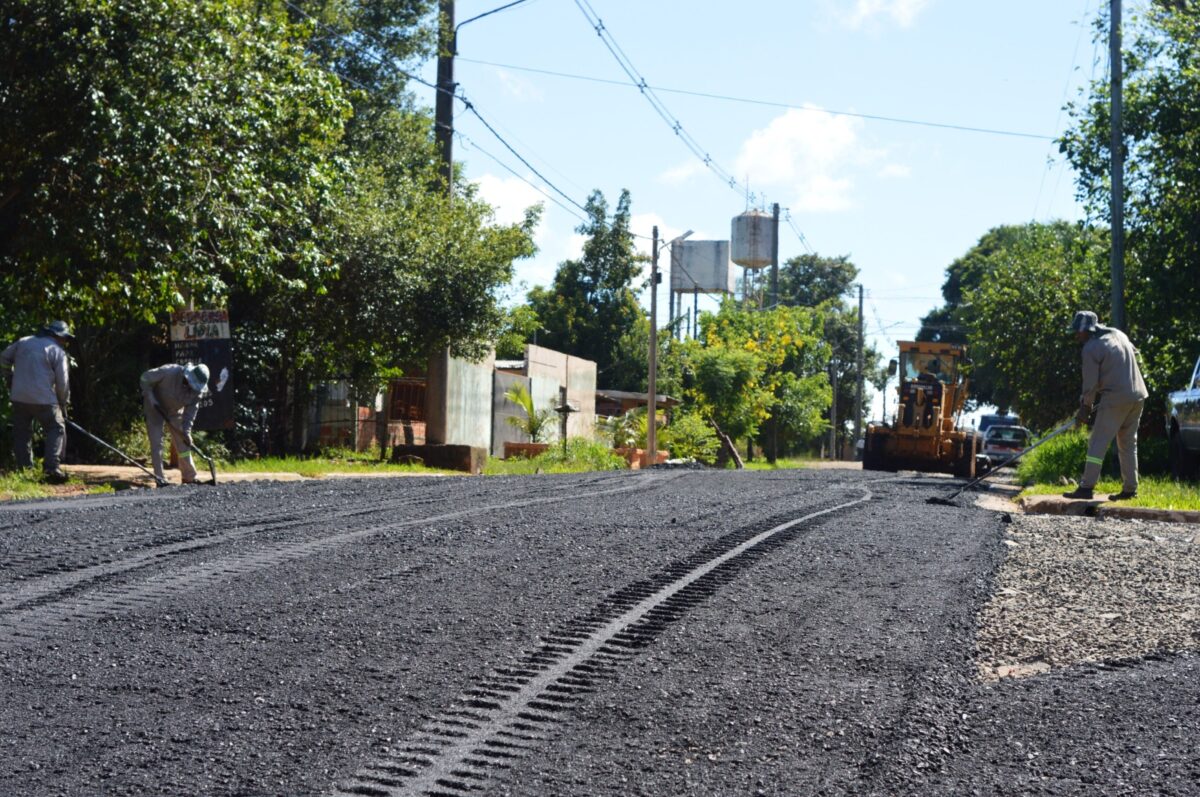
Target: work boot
1124, 495
56, 476
1079, 493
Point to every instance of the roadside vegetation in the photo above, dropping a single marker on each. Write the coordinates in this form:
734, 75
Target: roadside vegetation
329, 462
580, 456
29, 484
1050, 468
1155, 492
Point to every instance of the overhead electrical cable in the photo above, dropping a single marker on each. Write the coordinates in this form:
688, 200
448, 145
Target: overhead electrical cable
470, 106
771, 103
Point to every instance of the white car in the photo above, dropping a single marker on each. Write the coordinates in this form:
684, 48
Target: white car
1003, 442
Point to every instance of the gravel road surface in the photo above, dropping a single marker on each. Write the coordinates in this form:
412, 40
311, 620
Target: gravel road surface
661, 633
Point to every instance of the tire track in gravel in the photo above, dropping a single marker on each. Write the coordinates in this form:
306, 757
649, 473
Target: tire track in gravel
87, 555
31, 610
509, 712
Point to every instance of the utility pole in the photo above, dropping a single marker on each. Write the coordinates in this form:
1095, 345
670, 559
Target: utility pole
652, 382
858, 397
1117, 166
833, 411
443, 131
775, 255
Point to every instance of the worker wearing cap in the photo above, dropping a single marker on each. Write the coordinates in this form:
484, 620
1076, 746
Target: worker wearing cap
171, 394
1112, 383
39, 385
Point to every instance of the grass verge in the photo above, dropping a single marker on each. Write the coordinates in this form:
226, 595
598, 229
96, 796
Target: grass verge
792, 463
316, 467
581, 456
1154, 492
25, 485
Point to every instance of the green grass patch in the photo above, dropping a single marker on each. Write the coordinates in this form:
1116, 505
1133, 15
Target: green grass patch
789, 463
1154, 492
581, 456
314, 467
30, 484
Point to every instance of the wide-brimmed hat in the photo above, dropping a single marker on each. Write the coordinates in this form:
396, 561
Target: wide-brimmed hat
1085, 321
59, 329
196, 375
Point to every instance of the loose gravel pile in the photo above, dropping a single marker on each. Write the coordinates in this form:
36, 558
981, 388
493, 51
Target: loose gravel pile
1075, 590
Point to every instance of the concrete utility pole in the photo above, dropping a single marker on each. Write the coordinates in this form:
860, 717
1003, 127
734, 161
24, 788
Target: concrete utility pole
775, 255
833, 382
652, 381
858, 397
1117, 166
443, 131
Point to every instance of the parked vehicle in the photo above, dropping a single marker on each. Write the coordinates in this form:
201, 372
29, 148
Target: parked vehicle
988, 421
1002, 442
1183, 428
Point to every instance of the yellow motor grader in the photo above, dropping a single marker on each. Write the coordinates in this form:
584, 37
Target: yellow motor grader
924, 435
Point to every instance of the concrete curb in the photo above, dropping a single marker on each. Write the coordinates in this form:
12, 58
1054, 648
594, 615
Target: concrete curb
1101, 509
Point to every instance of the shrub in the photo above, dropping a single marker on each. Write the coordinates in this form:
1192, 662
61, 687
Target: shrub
689, 436
1065, 455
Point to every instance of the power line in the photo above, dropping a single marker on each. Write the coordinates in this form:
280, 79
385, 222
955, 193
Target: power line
456, 95
771, 103
466, 140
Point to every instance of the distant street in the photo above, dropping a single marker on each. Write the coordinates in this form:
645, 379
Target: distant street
654, 633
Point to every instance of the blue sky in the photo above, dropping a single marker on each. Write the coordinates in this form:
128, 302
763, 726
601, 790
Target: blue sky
902, 200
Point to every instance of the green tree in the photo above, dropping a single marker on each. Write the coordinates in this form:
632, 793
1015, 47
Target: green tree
1018, 317
591, 305
811, 280
751, 366
1072, 249
520, 325
1162, 202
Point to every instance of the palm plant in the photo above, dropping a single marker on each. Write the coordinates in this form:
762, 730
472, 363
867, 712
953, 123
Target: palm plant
536, 423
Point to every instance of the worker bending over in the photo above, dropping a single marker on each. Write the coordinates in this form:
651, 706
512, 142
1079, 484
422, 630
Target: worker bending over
171, 395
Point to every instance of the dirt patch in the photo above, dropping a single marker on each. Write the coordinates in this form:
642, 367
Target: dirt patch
1075, 590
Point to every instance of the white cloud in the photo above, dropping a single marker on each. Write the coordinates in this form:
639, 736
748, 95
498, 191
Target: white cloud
518, 87
509, 198
806, 154
682, 173
868, 12
895, 170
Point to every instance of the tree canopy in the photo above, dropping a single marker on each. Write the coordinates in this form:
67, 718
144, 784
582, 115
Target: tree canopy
591, 305
1161, 123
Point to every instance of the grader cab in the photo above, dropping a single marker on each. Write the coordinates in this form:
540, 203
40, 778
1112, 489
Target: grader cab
924, 434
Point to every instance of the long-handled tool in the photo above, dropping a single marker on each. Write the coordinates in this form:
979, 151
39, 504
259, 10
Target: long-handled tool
212, 466
119, 452
949, 500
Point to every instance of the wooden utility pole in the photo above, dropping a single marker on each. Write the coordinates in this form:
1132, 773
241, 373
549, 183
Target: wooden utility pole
858, 396
1117, 166
443, 132
652, 381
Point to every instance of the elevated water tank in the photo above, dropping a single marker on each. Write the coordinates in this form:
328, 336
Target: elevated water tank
701, 267
753, 236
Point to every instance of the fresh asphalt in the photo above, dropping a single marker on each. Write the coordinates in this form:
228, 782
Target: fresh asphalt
276, 639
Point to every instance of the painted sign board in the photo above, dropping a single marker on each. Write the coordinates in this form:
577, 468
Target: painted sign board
202, 336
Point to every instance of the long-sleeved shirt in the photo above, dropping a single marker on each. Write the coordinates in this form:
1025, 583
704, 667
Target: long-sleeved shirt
1110, 370
40, 370
168, 384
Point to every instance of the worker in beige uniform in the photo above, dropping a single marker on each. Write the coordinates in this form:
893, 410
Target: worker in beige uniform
1112, 382
171, 394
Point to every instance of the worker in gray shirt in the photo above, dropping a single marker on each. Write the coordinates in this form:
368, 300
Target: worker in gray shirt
171, 395
1112, 382
39, 384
